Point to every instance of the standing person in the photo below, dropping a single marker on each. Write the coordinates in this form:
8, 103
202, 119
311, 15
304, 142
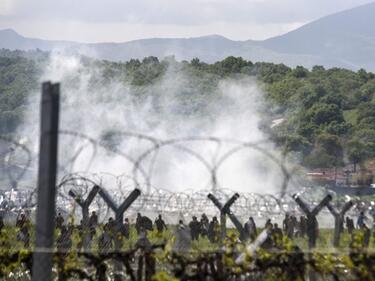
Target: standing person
289, 225
146, 223
213, 230
21, 220
277, 235
105, 242
285, 223
194, 226
268, 224
366, 235
204, 223
361, 220
111, 225
250, 228
126, 228
349, 225
64, 241
93, 220
24, 235
277, 231
181, 224
160, 224
138, 223
59, 221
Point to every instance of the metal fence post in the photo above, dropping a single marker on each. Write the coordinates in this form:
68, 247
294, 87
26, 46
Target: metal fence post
312, 223
119, 217
225, 210
45, 216
339, 220
311, 216
85, 205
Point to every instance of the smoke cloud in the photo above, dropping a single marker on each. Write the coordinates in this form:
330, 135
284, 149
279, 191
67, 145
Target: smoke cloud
106, 107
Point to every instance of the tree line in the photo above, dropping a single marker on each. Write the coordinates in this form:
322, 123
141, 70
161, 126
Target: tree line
328, 114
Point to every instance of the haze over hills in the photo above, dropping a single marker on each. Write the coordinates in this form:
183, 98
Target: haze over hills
345, 39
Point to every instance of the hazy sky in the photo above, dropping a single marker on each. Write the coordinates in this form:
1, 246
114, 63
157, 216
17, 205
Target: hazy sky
124, 20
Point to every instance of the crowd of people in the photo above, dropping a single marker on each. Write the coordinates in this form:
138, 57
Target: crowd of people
113, 230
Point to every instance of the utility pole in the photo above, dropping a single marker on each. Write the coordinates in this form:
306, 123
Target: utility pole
45, 216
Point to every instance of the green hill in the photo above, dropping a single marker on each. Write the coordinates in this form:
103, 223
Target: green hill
328, 114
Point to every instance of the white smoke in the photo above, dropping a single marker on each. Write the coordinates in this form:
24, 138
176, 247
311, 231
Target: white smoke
98, 104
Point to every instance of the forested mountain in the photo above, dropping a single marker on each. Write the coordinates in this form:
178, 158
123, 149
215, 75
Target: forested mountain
329, 114
345, 39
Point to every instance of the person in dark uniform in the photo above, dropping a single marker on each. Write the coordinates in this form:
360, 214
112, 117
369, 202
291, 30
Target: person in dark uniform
64, 241
160, 224
93, 220
302, 226
105, 242
251, 229
194, 226
21, 220
59, 221
349, 225
111, 227
366, 235
125, 229
277, 235
138, 223
213, 230
205, 223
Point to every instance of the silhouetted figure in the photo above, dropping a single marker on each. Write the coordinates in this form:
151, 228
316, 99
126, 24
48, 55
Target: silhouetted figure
21, 220
285, 223
24, 235
142, 223
138, 223
268, 243
105, 242
204, 224
59, 221
290, 223
181, 225
126, 228
213, 230
160, 224
268, 224
366, 235
111, 226
183, 238
361, 220
194, 226
312, 230
93, 220
64, 241
350, 225
277, 234
251, 228
277, 230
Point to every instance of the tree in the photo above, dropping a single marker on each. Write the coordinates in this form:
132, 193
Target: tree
357, 152
300, 72
321, 114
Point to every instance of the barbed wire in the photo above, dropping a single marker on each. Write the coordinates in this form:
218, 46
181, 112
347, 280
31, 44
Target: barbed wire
154, 199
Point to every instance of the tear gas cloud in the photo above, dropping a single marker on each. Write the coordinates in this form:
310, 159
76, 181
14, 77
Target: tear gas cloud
105, 107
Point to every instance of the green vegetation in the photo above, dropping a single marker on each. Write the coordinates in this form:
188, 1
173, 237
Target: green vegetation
328, 114
286, 259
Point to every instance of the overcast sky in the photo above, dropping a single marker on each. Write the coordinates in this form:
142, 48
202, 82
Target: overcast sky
124, 20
